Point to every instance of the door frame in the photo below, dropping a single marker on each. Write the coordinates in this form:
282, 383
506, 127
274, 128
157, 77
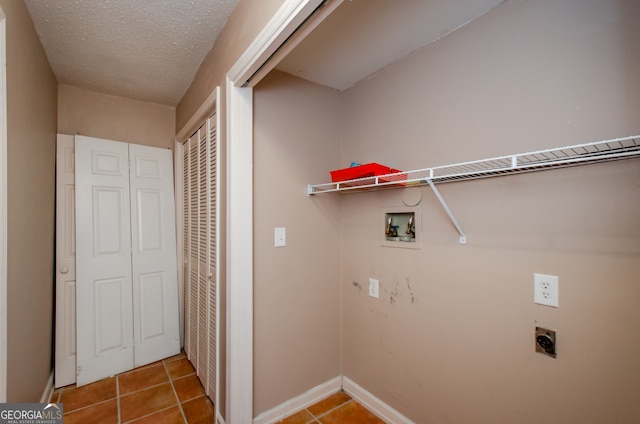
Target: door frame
293, 21
239, 258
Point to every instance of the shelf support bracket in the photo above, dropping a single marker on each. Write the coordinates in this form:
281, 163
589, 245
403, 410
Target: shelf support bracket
463, 238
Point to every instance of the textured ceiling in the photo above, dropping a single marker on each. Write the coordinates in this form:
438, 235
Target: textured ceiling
363, 36
141, 49
150, 50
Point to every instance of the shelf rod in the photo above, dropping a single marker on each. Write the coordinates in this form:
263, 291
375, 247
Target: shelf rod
463, 238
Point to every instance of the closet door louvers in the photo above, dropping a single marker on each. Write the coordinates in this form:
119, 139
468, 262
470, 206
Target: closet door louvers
200, 193
213, 293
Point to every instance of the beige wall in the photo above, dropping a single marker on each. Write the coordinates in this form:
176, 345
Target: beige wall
244, 24
31, 126
114, 118
456, 342
451, 338
296, 287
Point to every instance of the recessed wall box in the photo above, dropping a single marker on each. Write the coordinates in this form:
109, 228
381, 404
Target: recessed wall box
400, 227
546, 341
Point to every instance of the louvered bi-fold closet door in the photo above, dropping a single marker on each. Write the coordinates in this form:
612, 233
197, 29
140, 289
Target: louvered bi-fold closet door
199, 228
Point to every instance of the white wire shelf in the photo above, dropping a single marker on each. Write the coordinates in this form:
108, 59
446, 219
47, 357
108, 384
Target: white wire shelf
562, 157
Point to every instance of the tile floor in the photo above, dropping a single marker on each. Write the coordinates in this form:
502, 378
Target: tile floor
338, 408
166, 391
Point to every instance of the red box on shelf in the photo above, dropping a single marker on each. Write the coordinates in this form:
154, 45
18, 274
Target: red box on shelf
365, 171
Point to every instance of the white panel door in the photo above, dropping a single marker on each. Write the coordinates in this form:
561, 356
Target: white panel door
65, 346
154, 272
103, 260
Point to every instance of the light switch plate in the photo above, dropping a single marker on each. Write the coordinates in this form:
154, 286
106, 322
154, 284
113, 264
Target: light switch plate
374, 288
545, 290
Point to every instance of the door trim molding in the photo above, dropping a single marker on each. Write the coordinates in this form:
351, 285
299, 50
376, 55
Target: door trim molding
289, 26
284, 23
239, 254
252, 65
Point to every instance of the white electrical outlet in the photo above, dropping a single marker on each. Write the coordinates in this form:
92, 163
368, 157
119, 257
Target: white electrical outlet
545, 289
280, 237
374, 288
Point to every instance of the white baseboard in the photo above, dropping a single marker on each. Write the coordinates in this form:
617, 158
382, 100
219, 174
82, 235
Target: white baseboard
375, 405
219, 419
299, 402
48, 390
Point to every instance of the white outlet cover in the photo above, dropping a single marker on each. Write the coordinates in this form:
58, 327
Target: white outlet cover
545, 290
280, 237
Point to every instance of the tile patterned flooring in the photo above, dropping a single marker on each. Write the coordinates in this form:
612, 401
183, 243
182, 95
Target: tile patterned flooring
338, 408
166, 391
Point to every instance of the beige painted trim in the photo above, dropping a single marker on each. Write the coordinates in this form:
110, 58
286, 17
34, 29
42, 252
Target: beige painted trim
284, 23
372, 403
300, 402
3, 206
